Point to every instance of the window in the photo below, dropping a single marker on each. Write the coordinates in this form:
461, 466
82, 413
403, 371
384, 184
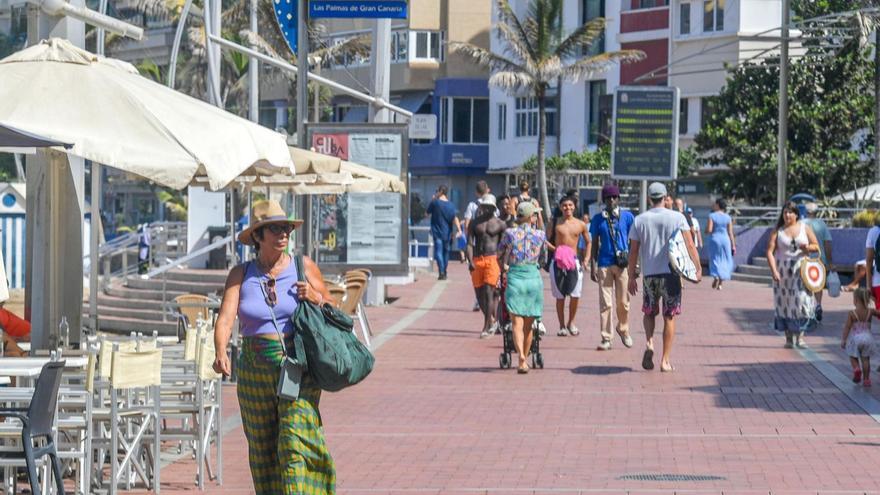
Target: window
650, 4
502, 121
713, 15
399, 46
527, 116
18, 24
707, 109
428, 45
683, 116
684, 19
466, 120
593, 9
597, 89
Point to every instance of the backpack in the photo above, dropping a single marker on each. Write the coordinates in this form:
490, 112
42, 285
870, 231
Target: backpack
324, 342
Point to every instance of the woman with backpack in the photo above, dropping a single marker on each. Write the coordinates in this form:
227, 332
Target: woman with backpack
285, 437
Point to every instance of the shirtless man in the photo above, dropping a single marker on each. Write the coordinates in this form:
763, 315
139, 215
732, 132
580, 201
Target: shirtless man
566, 231
484, 234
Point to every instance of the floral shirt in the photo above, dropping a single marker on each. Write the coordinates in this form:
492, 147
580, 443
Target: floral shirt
524, 243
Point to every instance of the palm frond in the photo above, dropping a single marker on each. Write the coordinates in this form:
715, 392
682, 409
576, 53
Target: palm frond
353, 47
581, 38
512, 81
589, 66
544, 26
485, 58
506, 15
514, 44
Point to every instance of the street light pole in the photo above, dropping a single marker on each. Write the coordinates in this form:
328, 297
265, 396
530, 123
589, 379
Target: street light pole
302, 73
782, 150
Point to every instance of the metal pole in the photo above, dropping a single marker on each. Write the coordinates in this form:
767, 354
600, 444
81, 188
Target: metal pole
94, 234
877, 105
380, 69
643, 197
253, 76
302, 74
175, 47
782, 149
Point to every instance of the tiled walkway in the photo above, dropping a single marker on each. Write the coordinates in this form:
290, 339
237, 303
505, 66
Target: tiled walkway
740, 415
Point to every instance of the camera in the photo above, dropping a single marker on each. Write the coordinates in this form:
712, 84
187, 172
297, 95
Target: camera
621, 258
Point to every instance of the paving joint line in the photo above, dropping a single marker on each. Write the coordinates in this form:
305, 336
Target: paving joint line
855, 393
426, 305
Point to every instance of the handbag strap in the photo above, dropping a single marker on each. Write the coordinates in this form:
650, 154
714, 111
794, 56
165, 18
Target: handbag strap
612, 231
272, 312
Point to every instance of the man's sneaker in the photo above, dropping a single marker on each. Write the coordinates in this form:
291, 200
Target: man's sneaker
563, 332
605, 345
493, 329
476, 306
539, 326
573, 330
627, 340
485, 334
819, 313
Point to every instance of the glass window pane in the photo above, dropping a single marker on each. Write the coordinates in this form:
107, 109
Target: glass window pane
422, 45
435, 45
684, 16
502, 121
461, 120
683, 116
481, 121
444, 120
719, 15
709, 15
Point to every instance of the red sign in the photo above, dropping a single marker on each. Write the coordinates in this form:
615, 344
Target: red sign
331, 144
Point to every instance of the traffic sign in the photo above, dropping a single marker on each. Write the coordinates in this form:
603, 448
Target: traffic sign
644, 141
286, 15
363, 9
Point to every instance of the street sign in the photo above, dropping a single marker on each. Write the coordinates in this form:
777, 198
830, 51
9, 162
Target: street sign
362, 9
644, 139
285, 14
423, 126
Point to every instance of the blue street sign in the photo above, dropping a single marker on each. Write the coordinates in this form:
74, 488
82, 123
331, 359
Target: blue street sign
363, 9
285, 14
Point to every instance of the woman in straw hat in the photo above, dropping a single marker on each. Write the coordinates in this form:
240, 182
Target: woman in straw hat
519, 251
285, 438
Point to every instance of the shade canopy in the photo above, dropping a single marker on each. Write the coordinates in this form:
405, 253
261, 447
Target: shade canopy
316, 173
114, 116
870, 193
11, 137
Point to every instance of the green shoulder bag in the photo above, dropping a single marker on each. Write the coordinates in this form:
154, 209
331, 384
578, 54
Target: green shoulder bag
326, 345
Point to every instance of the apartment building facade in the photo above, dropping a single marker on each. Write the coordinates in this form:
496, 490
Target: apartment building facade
687, 43
429, 78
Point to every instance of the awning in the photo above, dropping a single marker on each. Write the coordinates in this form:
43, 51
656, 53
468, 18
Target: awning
413, 100
13, 137
356, 115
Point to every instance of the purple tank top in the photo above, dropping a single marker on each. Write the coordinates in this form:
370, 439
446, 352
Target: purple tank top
253, 311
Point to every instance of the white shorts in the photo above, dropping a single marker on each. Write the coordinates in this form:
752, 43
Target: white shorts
576, 293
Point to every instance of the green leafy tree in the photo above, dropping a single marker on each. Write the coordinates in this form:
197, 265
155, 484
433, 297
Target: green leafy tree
830, 114
539, 54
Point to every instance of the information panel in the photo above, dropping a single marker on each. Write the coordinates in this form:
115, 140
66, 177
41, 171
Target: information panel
363, 229
644, 143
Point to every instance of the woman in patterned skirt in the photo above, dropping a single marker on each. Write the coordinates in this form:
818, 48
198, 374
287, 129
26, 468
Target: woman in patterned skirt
795, 305
285, 438
520, 248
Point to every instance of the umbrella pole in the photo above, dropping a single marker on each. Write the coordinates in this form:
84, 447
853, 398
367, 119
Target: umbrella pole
94, 234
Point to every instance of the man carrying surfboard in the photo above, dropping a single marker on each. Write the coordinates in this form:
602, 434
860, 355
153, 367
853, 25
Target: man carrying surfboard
649, 240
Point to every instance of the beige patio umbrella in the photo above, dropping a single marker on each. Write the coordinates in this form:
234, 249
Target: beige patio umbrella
316, 173
114, 116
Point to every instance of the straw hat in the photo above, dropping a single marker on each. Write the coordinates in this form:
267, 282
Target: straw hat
265, 212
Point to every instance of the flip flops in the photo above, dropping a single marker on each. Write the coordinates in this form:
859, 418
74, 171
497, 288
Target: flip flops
648, 359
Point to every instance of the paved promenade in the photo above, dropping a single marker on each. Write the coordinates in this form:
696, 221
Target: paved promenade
740, 415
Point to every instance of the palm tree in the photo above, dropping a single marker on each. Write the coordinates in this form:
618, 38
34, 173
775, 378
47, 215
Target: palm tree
537, 55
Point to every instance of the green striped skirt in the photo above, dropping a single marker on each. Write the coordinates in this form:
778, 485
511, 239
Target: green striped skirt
286, 448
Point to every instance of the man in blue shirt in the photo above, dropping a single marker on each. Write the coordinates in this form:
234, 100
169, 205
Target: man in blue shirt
610, 249
443, 218
824, 238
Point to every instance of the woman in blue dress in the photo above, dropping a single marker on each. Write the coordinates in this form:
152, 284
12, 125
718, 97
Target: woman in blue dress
722, 244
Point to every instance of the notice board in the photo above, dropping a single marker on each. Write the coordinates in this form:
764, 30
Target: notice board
366, 230
644, 137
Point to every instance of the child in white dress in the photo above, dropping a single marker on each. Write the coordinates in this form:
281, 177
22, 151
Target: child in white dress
857, 338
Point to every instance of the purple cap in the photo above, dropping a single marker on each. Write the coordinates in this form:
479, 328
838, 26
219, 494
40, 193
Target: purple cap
610, 190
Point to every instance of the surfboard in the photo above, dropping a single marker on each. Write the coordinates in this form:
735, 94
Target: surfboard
679, 259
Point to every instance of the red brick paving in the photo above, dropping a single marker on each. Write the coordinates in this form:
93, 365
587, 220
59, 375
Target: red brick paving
438, 416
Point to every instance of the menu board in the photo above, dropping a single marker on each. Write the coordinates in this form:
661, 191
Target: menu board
645, 136
363, 229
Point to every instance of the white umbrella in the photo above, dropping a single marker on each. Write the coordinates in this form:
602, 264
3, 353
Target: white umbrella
12, 137
870, 193
317, 173
116, 117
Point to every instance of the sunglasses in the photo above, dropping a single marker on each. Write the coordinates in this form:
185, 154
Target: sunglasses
271, 295
280, 228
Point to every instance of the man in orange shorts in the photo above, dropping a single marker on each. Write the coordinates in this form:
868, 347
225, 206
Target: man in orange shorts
484, 235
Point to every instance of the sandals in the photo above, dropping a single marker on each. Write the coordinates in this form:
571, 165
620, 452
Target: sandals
648, 359
857, 376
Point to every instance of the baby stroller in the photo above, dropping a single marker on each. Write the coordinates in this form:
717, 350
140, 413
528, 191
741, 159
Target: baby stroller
503, 319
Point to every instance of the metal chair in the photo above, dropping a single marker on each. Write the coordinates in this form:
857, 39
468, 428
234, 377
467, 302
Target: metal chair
37, 421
